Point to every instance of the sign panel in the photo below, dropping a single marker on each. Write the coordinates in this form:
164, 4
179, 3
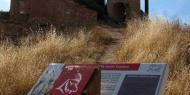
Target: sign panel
111, 79
133, 79
46, 81
73, 80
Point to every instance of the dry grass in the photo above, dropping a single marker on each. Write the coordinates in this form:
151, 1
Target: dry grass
144, 41
162, 42
20, 66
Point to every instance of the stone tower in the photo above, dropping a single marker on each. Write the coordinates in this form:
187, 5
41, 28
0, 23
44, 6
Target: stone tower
120, 10
19, 9
14, 7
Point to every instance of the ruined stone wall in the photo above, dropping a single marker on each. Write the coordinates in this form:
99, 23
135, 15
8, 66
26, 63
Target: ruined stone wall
4, 15
69, 12
62, 12
53, 11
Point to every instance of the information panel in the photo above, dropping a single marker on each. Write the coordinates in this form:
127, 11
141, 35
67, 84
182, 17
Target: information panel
102, 79
73, 80
133, 79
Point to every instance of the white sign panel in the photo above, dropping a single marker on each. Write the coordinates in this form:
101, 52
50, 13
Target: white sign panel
46, 81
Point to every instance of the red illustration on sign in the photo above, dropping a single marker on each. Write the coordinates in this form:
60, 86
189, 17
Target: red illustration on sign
70, 85
73, 80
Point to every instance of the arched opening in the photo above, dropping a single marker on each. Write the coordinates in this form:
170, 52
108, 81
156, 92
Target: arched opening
119, 12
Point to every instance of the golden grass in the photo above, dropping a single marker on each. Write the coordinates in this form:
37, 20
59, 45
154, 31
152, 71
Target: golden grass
20, 66
162, 42
143, 41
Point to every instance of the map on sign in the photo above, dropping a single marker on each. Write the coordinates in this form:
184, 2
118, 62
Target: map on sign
133, 79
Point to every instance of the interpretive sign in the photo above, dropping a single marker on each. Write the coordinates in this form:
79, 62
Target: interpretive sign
60, 79
103, 79
75, 79
133, 79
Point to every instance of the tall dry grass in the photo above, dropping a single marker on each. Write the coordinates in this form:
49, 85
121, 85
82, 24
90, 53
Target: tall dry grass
159, 41
21, 64
143, 41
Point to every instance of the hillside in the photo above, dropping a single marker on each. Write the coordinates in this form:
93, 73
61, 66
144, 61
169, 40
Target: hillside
142, 41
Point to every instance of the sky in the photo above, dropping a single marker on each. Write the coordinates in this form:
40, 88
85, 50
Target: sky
4, 5
170, 9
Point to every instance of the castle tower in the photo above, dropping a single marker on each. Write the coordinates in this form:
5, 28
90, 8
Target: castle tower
119, 10
14, 7
19, 9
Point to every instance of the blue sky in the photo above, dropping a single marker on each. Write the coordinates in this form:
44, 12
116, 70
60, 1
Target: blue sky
4, 5
171, 9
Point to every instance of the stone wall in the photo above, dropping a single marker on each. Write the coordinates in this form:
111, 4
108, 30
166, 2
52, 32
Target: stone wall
65, 12
69, 12
62, 12
4, 15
